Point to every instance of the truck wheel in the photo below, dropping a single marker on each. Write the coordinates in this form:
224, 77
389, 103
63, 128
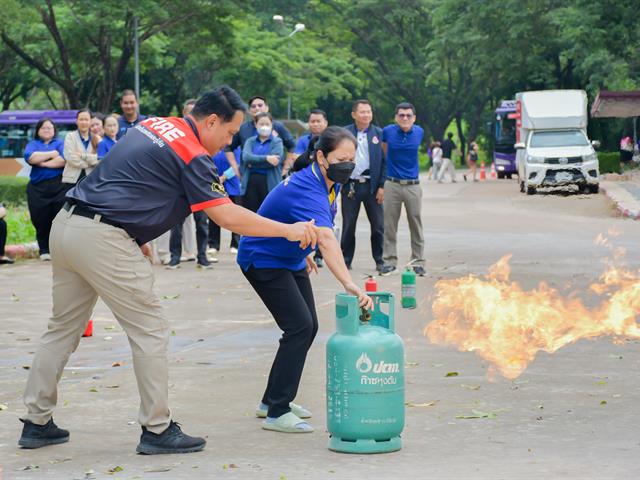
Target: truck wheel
531, 190
500, 174
582, 188
509, 175
522, 189
593, 188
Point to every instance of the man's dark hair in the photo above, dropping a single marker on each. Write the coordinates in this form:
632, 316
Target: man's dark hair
362, 101
405, 106
450, 135
84, 110
191, 101
317, 111
256, 97
41, 122
224, 101
126, 92
264, 115
326, 142
99, 115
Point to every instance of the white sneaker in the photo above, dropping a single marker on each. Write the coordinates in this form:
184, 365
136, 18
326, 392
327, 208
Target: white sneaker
188, 258
45, 257
212, 251
212, 259
233, 250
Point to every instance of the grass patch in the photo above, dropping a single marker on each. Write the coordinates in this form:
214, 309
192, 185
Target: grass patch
19, 227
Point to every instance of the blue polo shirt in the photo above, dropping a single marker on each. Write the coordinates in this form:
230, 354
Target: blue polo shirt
299, 198
125, 125
104, 146
232, 186
261, 148
402, 151
303, 144
40, 174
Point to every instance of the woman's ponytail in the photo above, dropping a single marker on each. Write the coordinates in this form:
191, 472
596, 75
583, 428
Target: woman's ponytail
308, 157
327, 142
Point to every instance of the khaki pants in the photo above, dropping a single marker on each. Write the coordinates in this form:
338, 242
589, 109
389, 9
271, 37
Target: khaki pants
189, 246
394, 196
91, 259
447, 167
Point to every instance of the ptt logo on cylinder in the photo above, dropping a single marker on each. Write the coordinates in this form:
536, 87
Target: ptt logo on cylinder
365, 365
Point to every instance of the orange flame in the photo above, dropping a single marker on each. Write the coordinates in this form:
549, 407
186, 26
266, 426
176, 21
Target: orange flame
507, 325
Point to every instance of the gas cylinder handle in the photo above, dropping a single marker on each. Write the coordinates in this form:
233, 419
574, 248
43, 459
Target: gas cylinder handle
379, 318
347, 314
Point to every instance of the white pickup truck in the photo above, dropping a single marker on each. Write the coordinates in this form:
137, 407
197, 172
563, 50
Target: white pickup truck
552, 147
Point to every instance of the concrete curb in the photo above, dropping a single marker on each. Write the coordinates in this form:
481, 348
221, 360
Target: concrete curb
626, 204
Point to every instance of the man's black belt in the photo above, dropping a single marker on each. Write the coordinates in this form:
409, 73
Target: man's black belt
403, 181
88, 213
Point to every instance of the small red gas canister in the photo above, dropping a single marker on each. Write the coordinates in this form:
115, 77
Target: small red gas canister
371, 285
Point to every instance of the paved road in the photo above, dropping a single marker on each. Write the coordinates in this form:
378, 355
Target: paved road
550, 423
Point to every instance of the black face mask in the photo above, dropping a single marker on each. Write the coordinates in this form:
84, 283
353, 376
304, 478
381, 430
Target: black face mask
340, 172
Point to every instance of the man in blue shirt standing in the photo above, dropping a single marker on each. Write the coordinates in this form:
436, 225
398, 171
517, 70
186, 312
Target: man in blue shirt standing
318, 123
401, 142
130, 116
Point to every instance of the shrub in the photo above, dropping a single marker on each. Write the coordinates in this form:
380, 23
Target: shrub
19, 227
13, 190
609, 162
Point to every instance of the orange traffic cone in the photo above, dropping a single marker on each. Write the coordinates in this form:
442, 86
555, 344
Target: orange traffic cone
483, 173
493, 171
88, 332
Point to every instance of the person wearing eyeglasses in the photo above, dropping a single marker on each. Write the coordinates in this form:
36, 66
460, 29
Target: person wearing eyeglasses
400, 143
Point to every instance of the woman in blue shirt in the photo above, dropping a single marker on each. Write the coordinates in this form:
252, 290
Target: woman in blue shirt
261, 167
110, 127
278, 270
231, 185
45, 191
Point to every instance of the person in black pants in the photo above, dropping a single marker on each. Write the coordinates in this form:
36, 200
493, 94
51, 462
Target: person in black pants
45, 191
3, 236
202, 237
278, 270
366, 185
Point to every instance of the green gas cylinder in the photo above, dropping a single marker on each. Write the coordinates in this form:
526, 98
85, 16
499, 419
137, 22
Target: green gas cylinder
365, 378
409, 288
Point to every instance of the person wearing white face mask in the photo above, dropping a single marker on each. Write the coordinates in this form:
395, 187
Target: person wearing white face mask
261, 168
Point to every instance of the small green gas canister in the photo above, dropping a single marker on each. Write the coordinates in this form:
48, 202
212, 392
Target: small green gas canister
409, 288
365, 378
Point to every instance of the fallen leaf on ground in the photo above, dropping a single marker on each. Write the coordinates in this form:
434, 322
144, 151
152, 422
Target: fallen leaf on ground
425, 404
162, 468
616, 356
15, 298
471, 387
110, 327
93, 389
115, 469
112, 386
452, 374
26, 367
60, 460
603, 402
108, 338
3, 406
27, 467
23, 339
116, 364
477, 414
411, 364
171, 297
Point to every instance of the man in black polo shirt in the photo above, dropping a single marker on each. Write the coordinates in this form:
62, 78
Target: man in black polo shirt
158, 173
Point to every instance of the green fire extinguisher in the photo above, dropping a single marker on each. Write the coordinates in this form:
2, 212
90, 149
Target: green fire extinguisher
409, 288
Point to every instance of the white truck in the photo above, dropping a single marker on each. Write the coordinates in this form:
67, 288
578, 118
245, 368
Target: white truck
552, 147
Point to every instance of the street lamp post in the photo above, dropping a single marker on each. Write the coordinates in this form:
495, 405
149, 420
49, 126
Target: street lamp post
299, 27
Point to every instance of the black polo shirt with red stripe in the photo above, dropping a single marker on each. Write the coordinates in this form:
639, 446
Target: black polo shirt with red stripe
152, 179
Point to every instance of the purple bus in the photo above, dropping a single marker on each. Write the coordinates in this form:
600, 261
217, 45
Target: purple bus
504, 137
16, 129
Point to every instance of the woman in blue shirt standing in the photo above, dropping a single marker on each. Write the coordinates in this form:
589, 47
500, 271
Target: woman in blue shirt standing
261, 166
110, 127
278, 270
45, 191
231, 185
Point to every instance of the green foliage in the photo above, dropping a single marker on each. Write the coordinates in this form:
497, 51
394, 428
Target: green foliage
13, 190
19, 227
609, 162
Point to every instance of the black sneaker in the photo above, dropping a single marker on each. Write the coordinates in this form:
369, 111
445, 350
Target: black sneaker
379, 267
36, 436
172, 265
387, 270
172, 440
4, 260
419, 270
